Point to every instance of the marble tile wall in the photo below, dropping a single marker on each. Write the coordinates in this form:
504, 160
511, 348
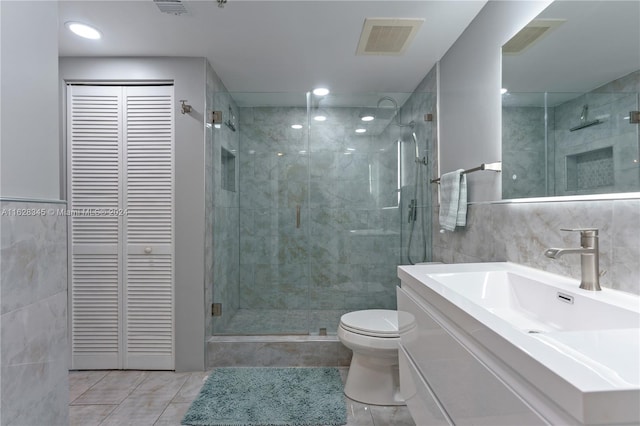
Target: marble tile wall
520, 232
221, 211
33, 314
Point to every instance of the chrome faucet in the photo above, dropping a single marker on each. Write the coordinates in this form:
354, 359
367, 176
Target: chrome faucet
589, 257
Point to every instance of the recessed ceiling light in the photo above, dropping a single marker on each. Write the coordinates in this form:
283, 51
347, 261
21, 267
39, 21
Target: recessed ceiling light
320, 91
83, 30
503, 91
296, 126
320, 118
361, 130
367, 118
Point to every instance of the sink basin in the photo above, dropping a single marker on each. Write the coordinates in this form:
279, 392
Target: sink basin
540, 303
578, 348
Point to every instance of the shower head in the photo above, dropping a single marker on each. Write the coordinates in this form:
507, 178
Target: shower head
396, 111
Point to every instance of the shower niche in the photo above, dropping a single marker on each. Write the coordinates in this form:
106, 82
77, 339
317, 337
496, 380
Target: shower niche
228, 161
590, 170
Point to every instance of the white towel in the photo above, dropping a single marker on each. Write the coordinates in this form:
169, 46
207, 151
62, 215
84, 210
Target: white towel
453, 200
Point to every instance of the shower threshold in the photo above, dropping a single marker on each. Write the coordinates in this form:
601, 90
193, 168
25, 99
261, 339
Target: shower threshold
276, 351
274, 322
254, 338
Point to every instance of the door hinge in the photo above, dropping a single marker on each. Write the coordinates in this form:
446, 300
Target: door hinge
216, 309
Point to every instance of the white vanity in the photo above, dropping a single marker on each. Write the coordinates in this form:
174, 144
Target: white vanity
505, 344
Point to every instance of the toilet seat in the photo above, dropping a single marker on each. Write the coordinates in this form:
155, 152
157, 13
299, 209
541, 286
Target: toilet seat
372, 322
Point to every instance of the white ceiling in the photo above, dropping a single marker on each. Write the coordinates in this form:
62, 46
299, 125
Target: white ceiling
274, 46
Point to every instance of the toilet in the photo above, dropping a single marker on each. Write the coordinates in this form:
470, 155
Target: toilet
373, 337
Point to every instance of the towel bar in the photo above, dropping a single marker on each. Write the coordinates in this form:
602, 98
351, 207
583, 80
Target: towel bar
496, 167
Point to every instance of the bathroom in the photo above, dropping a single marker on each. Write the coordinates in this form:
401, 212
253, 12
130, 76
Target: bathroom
465, 132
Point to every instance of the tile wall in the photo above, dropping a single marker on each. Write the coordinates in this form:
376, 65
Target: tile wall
33, 323
521, 232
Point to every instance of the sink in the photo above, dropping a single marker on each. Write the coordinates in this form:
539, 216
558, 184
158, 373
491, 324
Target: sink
579, 349
540, 303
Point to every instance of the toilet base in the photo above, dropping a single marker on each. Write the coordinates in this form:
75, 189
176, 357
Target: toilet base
374, 381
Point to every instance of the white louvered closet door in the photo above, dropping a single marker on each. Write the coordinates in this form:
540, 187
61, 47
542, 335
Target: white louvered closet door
149, 228
94, 134
120, 187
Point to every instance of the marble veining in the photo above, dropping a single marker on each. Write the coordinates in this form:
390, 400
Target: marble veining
520, 232
33, 321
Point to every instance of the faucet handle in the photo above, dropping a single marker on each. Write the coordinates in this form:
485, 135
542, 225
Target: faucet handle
583, 231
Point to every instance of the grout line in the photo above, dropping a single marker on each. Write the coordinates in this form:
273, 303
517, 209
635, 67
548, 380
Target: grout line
90, 387
181, 387
115, 407
161, 412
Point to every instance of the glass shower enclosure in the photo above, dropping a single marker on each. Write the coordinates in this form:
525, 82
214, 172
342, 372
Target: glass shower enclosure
307, 207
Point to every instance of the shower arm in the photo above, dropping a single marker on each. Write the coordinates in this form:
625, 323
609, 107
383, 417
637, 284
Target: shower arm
396, 111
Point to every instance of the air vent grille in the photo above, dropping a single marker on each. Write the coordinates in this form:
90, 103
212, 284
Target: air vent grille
387, 36
530, 34
172, 7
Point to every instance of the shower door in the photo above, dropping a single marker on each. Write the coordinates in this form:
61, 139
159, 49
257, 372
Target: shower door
312, 229
354, 207
263, 284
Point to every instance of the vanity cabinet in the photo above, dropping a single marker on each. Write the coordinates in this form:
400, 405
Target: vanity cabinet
442, 379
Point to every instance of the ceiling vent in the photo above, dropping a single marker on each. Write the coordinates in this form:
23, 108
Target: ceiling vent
387, 36
530, 34
172, 7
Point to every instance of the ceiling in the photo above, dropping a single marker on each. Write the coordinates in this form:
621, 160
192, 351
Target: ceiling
274, 46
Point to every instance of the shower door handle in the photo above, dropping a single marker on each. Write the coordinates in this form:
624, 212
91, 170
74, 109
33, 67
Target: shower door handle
298, 216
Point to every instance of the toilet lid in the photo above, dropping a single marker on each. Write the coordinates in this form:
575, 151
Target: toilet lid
372, 322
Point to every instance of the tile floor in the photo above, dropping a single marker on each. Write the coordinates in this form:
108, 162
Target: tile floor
157, 398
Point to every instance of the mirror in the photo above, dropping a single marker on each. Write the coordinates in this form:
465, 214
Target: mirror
569, 116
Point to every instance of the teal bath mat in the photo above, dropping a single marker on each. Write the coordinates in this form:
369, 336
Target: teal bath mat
269, 397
